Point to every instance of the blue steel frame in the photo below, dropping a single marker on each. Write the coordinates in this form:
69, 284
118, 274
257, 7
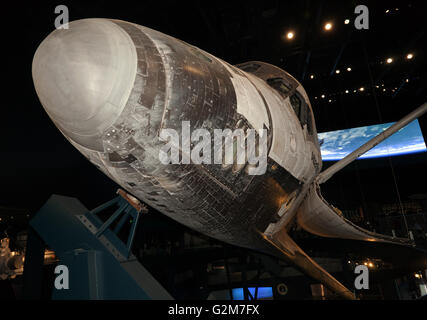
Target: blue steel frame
125, 210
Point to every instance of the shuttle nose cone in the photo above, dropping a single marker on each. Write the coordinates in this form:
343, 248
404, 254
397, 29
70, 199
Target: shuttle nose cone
83, 77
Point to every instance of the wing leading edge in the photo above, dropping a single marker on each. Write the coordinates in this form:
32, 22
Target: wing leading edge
317, 216
288, 250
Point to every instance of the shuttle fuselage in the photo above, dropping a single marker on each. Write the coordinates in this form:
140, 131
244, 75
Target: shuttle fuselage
110, 87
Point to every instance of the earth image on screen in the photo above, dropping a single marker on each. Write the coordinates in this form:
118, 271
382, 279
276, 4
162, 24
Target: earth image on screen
335, 145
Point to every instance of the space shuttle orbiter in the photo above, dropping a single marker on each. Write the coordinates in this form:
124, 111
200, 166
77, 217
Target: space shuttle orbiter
111, 86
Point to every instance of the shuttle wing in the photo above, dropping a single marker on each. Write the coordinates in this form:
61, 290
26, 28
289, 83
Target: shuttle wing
292, 253
317, 216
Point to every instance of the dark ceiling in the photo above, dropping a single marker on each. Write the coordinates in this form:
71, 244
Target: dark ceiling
37, 161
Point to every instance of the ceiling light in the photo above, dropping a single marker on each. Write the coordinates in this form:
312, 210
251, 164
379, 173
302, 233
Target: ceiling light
346, 21
389, 60
407, 80
387, 11
330, 100
337, 71
346, 91
311, 76
323, 96
328, 26
290, 35
409, 56
361, 89
349, 69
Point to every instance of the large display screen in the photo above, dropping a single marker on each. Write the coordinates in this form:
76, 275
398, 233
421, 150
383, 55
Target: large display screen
335, 145
262, 293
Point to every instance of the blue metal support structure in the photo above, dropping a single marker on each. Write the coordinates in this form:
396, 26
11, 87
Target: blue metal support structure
100, 264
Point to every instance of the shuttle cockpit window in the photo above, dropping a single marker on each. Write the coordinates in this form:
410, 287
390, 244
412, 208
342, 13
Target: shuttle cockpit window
280, 85
296, 104
250, 67
302, 111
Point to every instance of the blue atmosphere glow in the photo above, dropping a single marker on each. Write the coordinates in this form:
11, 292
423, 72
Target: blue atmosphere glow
263, 292
335, 145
